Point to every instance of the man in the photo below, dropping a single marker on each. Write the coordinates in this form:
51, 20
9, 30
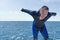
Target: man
40, 17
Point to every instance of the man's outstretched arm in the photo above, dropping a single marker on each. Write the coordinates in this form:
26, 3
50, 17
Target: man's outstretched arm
26, 11
53, 13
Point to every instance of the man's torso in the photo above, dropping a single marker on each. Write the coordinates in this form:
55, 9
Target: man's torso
37, 21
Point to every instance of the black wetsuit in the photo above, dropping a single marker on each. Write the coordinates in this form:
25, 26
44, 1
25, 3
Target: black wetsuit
38, 24
35, 15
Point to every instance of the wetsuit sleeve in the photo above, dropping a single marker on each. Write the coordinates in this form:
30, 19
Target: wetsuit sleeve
26, 11
53, 13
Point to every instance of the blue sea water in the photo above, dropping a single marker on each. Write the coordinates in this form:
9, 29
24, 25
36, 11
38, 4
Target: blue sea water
22, 30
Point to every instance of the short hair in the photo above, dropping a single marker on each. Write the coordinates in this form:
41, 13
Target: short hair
46, 8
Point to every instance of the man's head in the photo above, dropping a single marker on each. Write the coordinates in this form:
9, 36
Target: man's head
44, 10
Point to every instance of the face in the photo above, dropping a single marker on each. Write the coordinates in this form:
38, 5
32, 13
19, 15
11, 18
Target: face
43, 11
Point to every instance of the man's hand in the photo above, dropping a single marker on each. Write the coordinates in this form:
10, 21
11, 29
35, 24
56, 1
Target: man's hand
53, 14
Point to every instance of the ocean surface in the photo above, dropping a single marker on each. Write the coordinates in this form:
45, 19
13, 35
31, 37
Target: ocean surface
22, 30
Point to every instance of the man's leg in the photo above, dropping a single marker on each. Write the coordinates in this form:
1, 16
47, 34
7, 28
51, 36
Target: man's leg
35, 32
44, 33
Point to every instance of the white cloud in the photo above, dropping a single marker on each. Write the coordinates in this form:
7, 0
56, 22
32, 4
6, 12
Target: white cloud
14, 16
45, 1
48, 1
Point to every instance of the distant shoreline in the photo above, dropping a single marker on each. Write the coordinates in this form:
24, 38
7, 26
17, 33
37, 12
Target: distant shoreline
27, 21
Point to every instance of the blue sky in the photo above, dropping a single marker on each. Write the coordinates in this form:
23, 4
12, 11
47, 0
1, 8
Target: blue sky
10, 9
